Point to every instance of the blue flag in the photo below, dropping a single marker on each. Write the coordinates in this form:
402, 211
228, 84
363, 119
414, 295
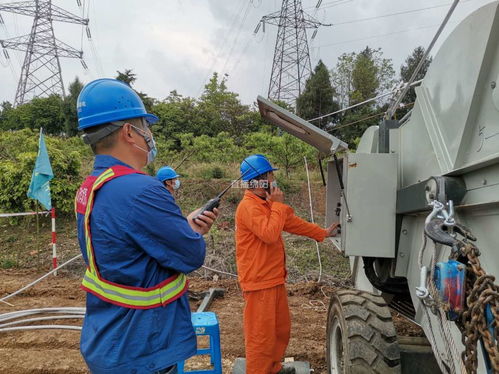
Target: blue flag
39, 187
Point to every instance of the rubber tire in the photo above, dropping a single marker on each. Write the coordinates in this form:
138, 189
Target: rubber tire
368, 337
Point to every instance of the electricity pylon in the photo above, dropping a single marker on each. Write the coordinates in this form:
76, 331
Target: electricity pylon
291, 66
41, 69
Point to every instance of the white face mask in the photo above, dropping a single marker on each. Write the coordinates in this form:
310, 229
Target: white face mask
151, 144
176, 184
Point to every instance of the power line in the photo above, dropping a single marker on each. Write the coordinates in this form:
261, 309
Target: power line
291, 63
377, 36
221, 46
394, 14
41, 70
366, 118
238, 33
394, 106
364, 102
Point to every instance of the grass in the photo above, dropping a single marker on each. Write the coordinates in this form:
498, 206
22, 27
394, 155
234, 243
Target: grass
21, 246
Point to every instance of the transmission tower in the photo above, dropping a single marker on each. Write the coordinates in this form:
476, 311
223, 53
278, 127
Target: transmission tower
291, 66
41, 69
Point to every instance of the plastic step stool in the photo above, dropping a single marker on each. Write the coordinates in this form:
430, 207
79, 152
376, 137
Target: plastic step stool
206, 323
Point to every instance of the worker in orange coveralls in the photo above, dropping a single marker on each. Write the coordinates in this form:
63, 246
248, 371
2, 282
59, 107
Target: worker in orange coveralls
261, 217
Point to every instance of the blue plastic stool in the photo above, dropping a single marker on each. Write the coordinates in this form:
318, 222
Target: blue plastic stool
206, 323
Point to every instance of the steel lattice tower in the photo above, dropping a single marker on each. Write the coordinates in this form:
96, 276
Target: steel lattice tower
291, 66
41, 69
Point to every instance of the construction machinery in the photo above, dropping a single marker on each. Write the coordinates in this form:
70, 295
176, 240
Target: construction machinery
418, 204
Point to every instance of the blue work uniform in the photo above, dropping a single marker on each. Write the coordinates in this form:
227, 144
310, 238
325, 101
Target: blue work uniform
140, 238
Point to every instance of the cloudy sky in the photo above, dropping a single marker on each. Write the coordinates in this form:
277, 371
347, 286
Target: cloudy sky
177, 44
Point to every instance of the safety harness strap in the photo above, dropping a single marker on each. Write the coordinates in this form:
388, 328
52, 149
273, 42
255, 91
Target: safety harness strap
130, 297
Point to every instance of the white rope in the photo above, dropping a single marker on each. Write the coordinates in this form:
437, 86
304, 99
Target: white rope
39, 279
312, 219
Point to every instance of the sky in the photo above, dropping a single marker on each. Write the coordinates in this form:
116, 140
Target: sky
178, 44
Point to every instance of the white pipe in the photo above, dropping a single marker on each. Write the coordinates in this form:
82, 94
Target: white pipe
39, 279
28, 312
5, 215
41, 327
29, 320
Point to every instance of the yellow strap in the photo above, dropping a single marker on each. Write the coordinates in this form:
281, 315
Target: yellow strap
116, 293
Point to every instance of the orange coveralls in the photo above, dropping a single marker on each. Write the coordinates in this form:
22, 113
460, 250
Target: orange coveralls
261, 266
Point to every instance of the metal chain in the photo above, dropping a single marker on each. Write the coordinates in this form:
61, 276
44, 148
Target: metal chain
480, 292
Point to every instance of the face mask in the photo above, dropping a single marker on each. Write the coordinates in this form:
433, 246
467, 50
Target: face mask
151, 144
176, 184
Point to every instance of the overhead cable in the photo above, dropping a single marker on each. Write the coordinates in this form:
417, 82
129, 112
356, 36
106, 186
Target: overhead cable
364, 102
391, 111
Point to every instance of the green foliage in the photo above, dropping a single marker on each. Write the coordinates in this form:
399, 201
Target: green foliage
18, 151
127, 76
285, 151
8, 264
356, 122
215, 172
177, 115
220, 148
220, 110
408, 68
358, 77
69, 108
318, 96
44, 112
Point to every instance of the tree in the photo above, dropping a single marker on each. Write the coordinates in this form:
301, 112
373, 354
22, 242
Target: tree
127, 76
177, 115
361, 76
342, 78
69, 108
43, 112
220, 110
318, 96
286, 150
406, 71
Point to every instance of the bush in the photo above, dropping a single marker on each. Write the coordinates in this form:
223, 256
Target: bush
214, 172
18, 151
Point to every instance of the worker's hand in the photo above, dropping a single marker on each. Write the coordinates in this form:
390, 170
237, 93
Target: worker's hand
332, 230
276, 195
203, 223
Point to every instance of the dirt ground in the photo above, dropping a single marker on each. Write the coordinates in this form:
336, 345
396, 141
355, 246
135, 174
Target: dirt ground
57, 351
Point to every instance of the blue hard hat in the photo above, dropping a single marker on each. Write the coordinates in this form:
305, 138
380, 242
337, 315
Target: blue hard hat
255, 165
165, 173
107, 100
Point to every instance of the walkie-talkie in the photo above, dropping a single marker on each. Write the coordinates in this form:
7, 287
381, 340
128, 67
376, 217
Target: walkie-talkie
215, 202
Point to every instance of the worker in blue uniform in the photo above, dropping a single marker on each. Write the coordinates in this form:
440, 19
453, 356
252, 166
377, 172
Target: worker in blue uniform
135, 242
169, 177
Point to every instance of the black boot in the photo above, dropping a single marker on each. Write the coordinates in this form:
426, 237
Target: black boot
287, 370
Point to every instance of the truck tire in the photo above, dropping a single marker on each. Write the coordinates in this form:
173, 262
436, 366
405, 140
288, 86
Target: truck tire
360, 335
